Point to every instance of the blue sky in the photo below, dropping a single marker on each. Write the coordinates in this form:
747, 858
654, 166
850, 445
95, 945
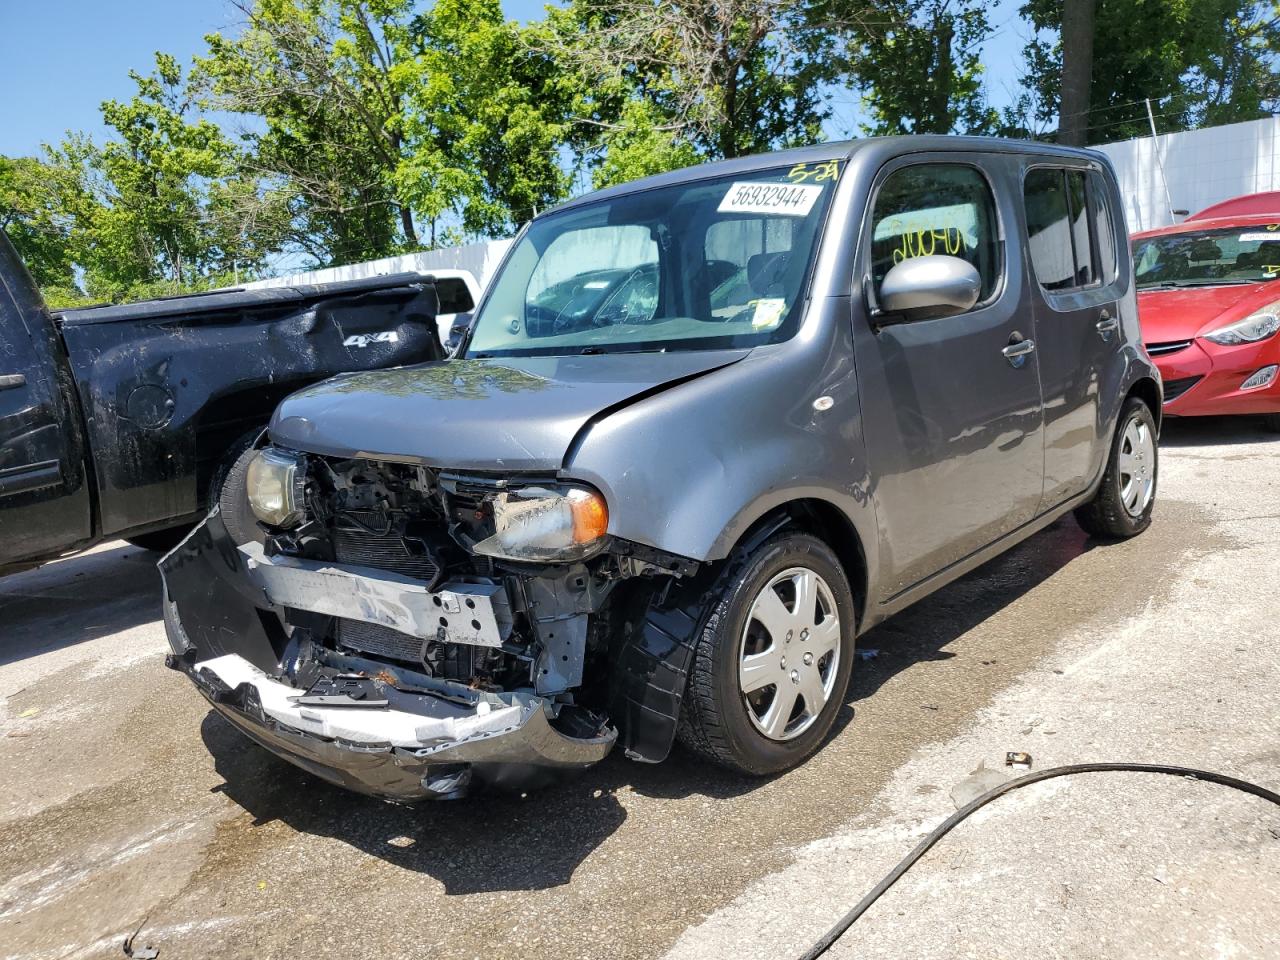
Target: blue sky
60, 58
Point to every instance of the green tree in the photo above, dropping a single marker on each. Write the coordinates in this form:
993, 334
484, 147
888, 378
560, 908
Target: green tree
920, 67
155, 209
319, 84
661, 84
37, 223
486, 116
1198, 61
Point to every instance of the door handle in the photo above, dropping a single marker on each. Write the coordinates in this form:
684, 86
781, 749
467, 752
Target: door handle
1018, 351
1106, 325
9, 381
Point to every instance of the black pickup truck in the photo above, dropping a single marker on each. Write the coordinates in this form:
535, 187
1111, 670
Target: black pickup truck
117, 422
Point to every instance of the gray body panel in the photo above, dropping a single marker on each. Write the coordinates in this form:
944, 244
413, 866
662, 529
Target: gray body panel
493, 415
935, 448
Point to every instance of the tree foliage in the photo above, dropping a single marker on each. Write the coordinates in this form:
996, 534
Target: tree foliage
663, 83
317, 83
485, 119
919, 63
37, 222
365, 128
1199, 61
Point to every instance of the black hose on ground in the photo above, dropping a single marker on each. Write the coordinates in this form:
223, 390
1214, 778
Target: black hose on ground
848, 920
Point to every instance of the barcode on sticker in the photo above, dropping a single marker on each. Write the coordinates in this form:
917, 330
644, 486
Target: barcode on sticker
787, 199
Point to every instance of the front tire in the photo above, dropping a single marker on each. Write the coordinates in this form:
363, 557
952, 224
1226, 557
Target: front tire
1123, 504
772, 661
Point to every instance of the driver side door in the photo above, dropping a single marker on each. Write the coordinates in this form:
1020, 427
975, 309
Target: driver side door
951, 406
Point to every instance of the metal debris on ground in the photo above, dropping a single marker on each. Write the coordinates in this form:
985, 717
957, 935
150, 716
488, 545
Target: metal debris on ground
1016, 758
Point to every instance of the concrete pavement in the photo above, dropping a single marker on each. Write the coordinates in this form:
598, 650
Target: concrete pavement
125, 803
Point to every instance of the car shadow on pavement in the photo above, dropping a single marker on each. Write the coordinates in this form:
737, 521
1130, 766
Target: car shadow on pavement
924, 630
485, 843
82, 598
494, 842
1213, 431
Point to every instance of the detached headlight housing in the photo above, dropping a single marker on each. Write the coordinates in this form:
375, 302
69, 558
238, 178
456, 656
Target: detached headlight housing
551, 523
1257, 326
276, 481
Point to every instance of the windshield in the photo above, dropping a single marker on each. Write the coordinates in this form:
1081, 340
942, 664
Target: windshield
704, 264
1209, 257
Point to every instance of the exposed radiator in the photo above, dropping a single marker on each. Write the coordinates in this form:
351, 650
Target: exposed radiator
383, 552
379, 640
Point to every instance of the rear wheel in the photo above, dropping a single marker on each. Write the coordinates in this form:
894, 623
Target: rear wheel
1123, 504
773, 657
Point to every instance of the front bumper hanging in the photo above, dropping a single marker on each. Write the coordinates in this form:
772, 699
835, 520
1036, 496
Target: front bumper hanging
427, 738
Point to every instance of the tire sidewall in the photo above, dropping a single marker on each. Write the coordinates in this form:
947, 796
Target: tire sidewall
1135, 408
756, 752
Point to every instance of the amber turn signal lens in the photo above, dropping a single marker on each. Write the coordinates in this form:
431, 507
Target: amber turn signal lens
590, 515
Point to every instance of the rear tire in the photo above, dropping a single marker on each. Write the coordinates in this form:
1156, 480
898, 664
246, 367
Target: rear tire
804, 652
1123, 504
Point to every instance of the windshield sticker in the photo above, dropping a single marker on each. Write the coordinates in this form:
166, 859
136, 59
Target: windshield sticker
1259, 237
768, 313
818, 173
785, 199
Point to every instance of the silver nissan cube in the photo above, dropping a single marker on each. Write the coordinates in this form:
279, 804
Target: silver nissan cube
705, 429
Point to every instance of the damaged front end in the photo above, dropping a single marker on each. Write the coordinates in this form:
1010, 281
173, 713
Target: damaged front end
399, 639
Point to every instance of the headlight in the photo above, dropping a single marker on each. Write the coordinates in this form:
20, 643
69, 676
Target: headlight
276, 482
1257, 326
546, 523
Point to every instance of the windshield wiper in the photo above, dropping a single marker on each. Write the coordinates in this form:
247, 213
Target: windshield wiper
1210, 282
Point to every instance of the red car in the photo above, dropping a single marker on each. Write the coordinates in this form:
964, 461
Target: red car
1209, 300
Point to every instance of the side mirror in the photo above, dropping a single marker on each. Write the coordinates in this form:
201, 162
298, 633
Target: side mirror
924, 288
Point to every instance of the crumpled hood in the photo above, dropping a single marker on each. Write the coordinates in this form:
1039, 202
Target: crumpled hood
508, 413
1181, 313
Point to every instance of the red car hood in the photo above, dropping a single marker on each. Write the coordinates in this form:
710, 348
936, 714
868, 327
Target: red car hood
1181, 313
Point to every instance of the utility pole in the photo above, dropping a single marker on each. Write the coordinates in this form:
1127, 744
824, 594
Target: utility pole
1077, 71
1155, 145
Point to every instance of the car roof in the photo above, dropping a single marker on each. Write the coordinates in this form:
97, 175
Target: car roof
822, 152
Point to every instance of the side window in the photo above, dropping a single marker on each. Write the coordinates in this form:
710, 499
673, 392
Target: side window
936, 208
1104, 227
1069, 228
1049, 229
1086, 266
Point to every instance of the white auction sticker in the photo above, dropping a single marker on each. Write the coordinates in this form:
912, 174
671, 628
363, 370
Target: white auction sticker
787, 199
1259, 237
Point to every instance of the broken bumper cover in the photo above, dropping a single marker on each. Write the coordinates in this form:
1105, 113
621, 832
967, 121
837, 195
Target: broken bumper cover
421, 745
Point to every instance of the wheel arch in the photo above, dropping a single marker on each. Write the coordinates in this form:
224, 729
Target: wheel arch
828, 523
1148, 391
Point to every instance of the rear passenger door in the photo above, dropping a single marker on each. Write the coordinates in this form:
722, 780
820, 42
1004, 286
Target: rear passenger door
1072, 243
951, 405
